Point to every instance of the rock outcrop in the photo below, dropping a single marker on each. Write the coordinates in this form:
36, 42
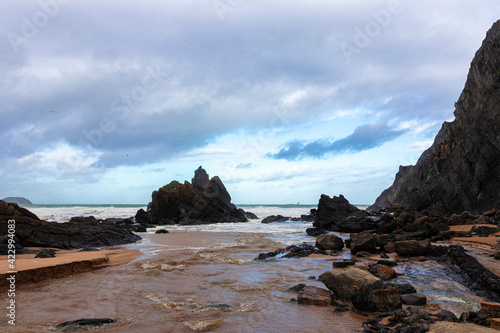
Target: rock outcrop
461, 170
337, 214
17, 200
31, 231
202, 201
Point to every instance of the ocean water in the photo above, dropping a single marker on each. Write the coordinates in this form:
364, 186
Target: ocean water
204, 278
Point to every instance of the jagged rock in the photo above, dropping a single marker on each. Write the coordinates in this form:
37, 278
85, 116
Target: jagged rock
311, 295
363, 241
33, 232
143, 217
414, 299
411, 248
193, 203
376, 297
276, 218
332, 213
342, 281
200, 177
461, 170
329, 242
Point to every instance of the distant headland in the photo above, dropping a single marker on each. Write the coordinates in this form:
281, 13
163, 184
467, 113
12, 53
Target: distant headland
18, 200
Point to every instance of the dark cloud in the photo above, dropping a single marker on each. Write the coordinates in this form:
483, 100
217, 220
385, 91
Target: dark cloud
363, 138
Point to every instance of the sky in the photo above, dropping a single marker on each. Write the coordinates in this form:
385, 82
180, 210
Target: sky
106, 101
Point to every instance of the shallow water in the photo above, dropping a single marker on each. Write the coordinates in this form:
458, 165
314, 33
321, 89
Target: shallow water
204, 278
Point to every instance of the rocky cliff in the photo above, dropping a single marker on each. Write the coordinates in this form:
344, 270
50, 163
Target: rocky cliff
202, 201
461, 170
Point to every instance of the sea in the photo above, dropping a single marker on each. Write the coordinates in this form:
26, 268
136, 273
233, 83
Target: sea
205, 279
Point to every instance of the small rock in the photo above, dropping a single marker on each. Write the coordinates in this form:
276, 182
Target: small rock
276, 218
46, 253
251, 216
343, 263
376, 297
383, 272
363, 254
390, 263
297, 288
329, 242
311, 278
414, 299
383, 255
411, 248
88, 249
92, 322
342, 281
315, 231
161, 231
311, 295
363, 241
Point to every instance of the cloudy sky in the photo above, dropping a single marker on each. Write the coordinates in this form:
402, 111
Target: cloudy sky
105, 101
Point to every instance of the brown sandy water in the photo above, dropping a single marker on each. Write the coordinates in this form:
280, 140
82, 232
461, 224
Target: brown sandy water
206, 281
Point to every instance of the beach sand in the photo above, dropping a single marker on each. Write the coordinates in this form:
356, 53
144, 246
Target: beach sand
67, 262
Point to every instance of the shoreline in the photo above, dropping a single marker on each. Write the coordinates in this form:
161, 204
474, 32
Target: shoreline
66, 263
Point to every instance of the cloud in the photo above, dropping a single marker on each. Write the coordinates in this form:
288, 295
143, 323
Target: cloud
364, 137
245, 166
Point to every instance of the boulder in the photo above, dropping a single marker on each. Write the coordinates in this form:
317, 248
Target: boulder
315, 231
161, 231
383, 272
460, 171
363, 241
414, 299
411, 248
342, 281
142, 217
46, 253
33, 232
251, 216
311, 295
376, 297
193, 203
329, 242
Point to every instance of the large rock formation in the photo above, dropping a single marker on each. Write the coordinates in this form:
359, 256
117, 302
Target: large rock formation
338, 214
202, 201
31, 231
461, 170
17, 200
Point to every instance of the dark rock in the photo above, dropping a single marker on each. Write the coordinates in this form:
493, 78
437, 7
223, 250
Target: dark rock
414, 299
312, 278
390, 263
269, 255
484, 231
307, 218
329, 242
4, 246
315, 232
276, 218
411, 248
46, 253
344, 263
32, 232
200, 177
87, 323
88, 249
363, 242
460, 171
137, 228
383, 255
403, 288
311, 295
363, 254
251, 216
376, 297
389, 247
80, 219
194, 203
383, 272
297, 288
333, 212
143, 217
302, 250
161, 231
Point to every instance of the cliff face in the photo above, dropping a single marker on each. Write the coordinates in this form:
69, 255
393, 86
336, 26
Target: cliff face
461, 170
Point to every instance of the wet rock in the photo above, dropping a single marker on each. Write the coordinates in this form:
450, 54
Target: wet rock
389, 247
343, 263
376, 297
77, 219
276, 218
340, 306
311, 295
381, 240
301, 250
363, 242
269, 255
329, 242
138, 228
390, 263
383, 272
85, 323
297, 288
88, 249
363, 254
307, 218
315, 231
483, 231
403, 288
251, 216
411, 248
161, 231
341, 282
46, 253
414, 299
143, 217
